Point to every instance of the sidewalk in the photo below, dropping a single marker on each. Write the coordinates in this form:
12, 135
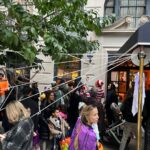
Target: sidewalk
112, 146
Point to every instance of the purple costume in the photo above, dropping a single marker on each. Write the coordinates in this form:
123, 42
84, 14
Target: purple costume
86, 137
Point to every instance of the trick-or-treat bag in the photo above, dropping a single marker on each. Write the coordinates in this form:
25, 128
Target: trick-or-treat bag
64, 144
101, 147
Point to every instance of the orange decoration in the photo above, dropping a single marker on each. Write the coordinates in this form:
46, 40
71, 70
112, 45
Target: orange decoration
3, 86
101, 147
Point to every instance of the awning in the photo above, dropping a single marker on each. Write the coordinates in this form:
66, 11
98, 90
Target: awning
141, 37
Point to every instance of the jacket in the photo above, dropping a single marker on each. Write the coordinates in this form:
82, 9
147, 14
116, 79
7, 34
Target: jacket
146, 121
33, 106
20, 137
86, 137
43, 124
73, 111
126, 110
54, 129
111, 98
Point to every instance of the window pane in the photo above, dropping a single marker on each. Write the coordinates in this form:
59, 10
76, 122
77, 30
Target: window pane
132, 11
110, 3
135, 8
109, 7
140, 11
140, 2
109, 11
123, 76
124, 2
124, 12
132, 2
114, 76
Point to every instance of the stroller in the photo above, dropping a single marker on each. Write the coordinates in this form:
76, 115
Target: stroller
115, 130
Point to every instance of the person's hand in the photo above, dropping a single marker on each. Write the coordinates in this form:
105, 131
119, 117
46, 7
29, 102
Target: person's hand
34, 134
60, 133
68, 128
98, 143
2, 137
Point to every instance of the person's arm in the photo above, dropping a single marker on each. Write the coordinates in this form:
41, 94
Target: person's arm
66, 124
53, 130
18, 136
2, 137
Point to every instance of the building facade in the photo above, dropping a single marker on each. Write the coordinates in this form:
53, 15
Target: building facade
130, 14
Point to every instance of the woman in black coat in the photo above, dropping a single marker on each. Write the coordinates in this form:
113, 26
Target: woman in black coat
130, 126
44, 132
111, 98
146, 120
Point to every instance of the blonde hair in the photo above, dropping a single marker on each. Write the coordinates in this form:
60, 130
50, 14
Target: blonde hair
16, 111
85, 113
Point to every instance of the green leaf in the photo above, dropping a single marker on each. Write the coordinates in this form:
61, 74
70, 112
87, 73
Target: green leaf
63, 25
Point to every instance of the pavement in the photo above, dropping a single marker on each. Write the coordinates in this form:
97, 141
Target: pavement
114, 146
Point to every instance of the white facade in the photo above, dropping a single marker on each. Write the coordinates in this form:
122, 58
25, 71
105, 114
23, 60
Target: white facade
45, 76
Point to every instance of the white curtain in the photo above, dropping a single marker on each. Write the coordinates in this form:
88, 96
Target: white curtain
134, 8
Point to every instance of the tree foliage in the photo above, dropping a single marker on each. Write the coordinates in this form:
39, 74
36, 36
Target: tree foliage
63, 25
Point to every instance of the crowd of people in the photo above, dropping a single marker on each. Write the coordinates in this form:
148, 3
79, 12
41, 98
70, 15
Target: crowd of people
39, 121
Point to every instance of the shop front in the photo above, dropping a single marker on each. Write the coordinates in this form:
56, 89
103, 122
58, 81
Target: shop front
123, 77
69, 70
136, 52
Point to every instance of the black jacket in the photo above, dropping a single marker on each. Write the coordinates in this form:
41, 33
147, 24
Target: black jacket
73, 112
30, 103
146, 121
44, 132
111, 98
20, 136
127, 110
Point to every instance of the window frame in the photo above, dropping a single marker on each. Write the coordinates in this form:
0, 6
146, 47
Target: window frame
117, 9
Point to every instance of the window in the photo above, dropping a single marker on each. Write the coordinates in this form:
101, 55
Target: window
134, 8
122, 8
109, 7
67, 70
119, 78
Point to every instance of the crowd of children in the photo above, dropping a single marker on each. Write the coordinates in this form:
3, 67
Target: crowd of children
68, 109
54, 112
